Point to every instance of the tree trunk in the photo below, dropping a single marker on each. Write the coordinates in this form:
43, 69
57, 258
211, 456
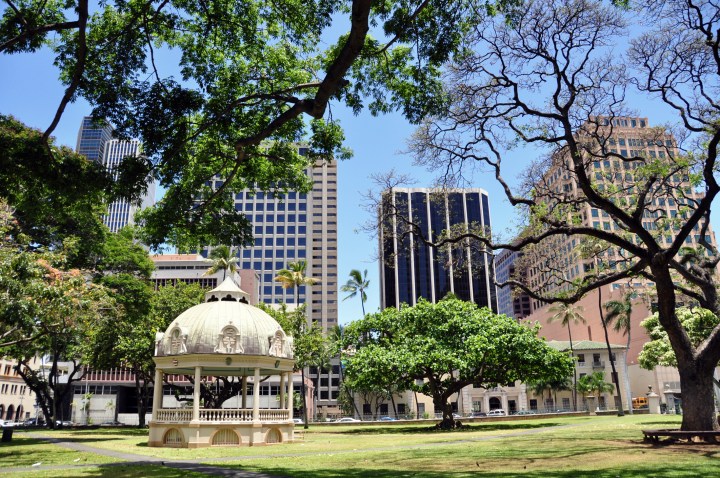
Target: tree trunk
698, 400
304, 397
392, 400
142, 396
696, 372
447, 420
572, 353
615, 377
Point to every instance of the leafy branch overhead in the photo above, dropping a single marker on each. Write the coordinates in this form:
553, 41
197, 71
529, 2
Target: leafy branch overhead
227, 89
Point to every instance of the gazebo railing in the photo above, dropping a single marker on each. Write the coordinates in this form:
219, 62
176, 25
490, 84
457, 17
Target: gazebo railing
174, 415
183, 415
226, 414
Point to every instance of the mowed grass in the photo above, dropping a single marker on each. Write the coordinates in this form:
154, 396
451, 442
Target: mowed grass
318, 439
25, 451
597, 447
106, 471
557, 447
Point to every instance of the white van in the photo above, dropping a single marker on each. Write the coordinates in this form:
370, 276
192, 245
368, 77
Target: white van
498, 412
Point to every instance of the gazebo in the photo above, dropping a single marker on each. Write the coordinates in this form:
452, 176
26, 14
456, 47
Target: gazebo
224, 336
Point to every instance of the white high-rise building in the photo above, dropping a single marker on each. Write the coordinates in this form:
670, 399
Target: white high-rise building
95, 142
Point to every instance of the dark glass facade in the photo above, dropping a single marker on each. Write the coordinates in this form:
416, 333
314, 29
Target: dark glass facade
410, 269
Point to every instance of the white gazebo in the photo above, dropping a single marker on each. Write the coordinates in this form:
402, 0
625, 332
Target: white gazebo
224, 336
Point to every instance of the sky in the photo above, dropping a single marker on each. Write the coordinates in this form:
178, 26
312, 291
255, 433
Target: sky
30, 91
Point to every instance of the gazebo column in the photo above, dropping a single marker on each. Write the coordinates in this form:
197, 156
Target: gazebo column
256, 395
244, 392
157, 393
196, 394
290, 394
283, 405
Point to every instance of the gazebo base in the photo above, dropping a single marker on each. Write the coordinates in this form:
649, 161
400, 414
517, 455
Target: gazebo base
206, 434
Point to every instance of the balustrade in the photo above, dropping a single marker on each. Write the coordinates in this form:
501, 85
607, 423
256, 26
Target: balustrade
181, 415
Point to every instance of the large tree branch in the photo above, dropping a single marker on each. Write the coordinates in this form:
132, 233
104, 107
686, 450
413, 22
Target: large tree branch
78, 72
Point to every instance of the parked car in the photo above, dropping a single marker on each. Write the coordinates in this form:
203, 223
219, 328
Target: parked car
111, 423
525, 412
388, 419
479, 414
32, 422
348, 420
456, 416
498, 412
298, 421
63, 423
7, 423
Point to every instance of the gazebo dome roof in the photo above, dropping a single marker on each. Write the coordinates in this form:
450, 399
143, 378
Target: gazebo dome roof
224, 324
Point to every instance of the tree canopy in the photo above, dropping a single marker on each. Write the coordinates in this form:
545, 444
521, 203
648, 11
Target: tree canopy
437, 349
609, 192
249, 80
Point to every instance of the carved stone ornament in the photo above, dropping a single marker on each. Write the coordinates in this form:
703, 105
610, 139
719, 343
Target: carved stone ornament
178, 341
277, 344
228, 341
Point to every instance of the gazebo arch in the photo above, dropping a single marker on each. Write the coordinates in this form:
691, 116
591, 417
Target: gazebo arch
224, 337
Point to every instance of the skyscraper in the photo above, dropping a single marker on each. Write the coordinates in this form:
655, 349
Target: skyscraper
299, 227
410, 269
511, 303
96, 143
296, 227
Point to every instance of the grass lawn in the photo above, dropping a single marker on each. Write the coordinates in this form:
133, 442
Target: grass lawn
557, 447
25, 451
115, 471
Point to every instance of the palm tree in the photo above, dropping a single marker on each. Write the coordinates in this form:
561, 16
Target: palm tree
619, 313
568, 314
615, 377
221, 258
595, 384
357, 284
292, 278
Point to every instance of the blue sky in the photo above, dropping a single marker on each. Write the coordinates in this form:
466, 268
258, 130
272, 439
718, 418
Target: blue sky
31, 92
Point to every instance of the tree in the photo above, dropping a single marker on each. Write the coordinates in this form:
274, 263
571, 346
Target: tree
294, 277
438, 349
126, 339
247, 95
538, 387
568, 314
56, 310
222, 259
699, 324
546, 80
595, 385
357, 284
310, 347
619, 313
52, 197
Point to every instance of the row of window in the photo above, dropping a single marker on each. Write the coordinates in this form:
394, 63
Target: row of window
281, 242
95, 389
8, 389
291, 206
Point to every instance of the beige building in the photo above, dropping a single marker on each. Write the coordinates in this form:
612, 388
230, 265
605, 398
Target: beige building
191, 269
553, 266
17, 401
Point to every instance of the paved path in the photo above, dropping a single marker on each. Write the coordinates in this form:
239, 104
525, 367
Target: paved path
201, 464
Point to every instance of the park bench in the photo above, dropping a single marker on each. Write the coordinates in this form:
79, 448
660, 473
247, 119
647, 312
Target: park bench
298, 435
655, 435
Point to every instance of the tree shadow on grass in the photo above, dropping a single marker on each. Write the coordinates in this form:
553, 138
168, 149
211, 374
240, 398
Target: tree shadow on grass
362, 472
495, 426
